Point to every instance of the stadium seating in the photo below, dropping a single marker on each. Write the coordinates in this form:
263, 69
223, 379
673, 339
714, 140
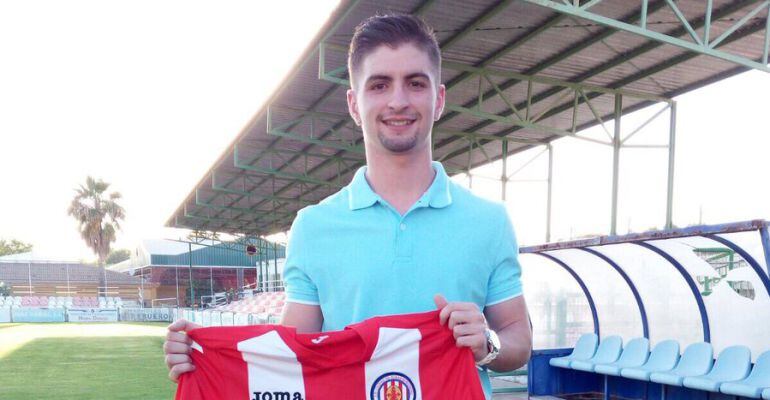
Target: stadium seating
732, 373
696, 360
584, 350
608, 352
663, 358
634, 355
756, 381
61, 302
263, 305
733, 363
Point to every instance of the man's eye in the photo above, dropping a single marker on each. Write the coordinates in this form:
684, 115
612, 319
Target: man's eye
378, 86
417, 84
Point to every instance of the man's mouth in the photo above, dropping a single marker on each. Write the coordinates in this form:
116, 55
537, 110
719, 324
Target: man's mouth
398, 122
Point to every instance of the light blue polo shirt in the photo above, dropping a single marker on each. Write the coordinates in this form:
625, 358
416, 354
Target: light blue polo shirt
357, 257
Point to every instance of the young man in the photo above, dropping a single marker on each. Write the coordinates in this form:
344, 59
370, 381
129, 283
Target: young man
401, 237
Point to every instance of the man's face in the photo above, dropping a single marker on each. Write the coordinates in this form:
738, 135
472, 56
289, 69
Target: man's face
396, 98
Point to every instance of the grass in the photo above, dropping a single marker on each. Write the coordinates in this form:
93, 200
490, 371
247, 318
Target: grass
82, 361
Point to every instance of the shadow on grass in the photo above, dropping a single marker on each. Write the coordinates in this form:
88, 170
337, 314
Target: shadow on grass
87, 368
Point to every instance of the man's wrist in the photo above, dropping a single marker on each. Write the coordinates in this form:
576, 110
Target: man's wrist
493, 347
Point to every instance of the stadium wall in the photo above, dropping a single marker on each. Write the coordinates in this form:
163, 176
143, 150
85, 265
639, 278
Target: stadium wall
5, 315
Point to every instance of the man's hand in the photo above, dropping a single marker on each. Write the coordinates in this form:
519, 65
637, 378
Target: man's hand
466, 322
177, 348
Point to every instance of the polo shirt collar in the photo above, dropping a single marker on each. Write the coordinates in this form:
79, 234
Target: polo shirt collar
361, 195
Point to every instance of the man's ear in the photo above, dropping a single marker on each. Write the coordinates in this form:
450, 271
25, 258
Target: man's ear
353, 106
440, 101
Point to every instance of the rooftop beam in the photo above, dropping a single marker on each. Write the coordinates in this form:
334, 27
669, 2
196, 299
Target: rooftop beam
697, 46
622, 58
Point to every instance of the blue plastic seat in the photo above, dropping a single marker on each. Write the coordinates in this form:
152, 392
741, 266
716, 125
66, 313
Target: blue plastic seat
663, 358
696, 360
733, 363
608, 352
753, 385
634, 355
766, 394
584, 350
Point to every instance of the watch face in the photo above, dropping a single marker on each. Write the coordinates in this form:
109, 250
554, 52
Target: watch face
493, 341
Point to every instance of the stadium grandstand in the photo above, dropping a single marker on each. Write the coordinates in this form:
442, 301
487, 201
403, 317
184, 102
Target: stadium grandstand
203, 274
38, 278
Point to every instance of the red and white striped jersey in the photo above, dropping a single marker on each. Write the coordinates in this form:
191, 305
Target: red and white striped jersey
400, 357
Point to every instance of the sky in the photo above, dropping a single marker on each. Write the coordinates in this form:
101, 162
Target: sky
147, 95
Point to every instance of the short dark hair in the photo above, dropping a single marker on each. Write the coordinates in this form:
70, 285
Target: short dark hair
392, 30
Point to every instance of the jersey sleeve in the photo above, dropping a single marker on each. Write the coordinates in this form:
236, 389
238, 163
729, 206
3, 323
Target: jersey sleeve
299, 287
505, 278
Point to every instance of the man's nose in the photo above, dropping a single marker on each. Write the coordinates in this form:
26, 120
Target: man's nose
399, 99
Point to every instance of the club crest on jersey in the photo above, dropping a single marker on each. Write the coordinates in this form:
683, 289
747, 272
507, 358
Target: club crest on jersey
393, 386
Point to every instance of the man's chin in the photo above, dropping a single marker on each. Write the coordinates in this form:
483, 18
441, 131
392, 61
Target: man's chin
398, 145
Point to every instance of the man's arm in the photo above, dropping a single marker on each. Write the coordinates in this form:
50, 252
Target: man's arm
510, 321
305, 317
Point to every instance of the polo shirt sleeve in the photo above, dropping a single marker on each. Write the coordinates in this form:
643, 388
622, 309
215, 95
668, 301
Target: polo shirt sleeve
505, 279
299, 287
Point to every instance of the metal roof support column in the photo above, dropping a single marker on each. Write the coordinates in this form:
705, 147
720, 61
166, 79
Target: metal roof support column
275, 266
671, 149
765, 238
766, 50
470, 161
176, 272
504, 174
616, 163
262, 256
550, 192
141, 286
192, 289
211, 283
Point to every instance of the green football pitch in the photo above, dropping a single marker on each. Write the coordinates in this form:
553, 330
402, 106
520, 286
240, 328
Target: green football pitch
83, 361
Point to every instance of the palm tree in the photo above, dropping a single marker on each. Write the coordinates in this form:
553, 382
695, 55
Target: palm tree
98, 218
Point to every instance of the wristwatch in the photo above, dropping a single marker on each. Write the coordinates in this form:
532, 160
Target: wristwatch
493, 347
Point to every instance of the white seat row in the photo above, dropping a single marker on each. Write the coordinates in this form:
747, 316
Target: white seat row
60, 301
731, 373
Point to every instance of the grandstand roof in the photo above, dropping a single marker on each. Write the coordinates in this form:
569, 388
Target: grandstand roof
518, 74
21, 272
167, 253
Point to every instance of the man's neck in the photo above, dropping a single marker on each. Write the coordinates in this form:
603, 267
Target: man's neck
400, 180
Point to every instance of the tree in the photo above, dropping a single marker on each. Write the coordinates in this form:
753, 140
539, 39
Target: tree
4, 289
13, 246
98, 215
117, 256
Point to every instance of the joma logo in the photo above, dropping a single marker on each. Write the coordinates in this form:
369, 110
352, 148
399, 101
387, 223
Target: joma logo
277, 396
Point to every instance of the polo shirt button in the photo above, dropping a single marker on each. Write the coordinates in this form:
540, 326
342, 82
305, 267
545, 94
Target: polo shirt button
403, 227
